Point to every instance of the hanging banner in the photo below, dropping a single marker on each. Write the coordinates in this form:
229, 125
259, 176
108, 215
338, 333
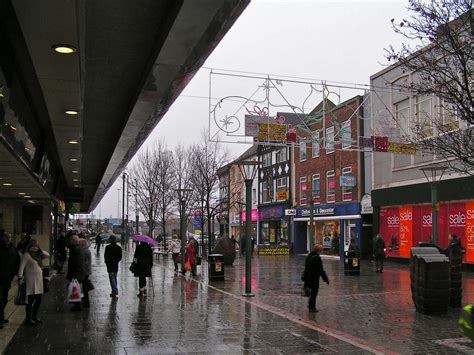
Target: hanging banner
406, 235
401, 148
469, 242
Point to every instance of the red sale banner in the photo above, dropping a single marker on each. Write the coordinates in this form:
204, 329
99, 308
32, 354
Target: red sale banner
406, 235
469, 242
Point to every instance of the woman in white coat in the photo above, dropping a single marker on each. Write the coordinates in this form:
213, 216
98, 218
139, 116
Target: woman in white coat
31, 267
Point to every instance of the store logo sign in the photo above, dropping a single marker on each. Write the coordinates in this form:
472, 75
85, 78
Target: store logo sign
318, 211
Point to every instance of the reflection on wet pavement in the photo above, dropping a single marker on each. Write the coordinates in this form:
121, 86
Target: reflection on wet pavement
358, 314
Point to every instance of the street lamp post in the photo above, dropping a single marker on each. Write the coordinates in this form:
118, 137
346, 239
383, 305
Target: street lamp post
182, 226
431, 174
248, 169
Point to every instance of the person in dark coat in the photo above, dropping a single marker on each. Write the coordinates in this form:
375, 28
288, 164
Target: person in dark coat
76, 268
143, 259
454, 252
379, 253
9, 263
24, 241
61, 253
312, 272
98, 242
112, 257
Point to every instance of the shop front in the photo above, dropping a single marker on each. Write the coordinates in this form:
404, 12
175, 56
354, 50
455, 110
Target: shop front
335, 226
273, 226
403, 227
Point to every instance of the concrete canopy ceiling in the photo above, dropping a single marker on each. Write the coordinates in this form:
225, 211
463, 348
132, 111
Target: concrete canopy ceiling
133, 59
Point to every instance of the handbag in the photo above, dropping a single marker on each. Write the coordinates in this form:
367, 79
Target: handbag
20, 297
305, 291
74, 292
187, 266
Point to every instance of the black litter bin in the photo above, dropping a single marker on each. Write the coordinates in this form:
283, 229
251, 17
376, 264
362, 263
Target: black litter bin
216, 267
351, 262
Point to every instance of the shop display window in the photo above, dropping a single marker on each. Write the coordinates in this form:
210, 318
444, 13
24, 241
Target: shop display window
274, 232
327, 234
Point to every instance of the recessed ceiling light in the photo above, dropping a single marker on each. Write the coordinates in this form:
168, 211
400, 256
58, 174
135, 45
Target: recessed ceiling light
13, 128
76, 185
73, 141
27, 196
7, 184
73, 159
75, 172
75, 179
31, 201
71, 112
64, 48
21, 193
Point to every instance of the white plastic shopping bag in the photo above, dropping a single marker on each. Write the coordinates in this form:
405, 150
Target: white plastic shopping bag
74, 292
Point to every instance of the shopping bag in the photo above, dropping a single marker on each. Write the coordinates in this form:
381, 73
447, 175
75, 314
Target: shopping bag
187, 266
74, 292
20, 297
305, 291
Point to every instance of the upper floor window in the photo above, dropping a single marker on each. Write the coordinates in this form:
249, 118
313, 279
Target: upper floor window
402, 115
281, 155
346, 189
267, 159
447, 117
346, 138
330, 140
315, 144
316, 189
302, 151
330, 186
303, 188
423, 117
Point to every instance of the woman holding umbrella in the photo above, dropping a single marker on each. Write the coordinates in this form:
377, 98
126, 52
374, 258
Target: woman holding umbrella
143, 260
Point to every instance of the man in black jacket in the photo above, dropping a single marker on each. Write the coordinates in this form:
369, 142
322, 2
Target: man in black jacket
312, 272
112, 256
379, 253
9, 262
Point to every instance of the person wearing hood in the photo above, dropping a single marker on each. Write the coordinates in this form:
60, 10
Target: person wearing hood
87, 272
9, 262
31, 267
76, 265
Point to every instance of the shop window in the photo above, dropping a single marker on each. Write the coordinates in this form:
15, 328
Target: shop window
274, 232
347, 190
315, 144
302, 151
316, 189
303, 188
346, 138
330, 140
330, 186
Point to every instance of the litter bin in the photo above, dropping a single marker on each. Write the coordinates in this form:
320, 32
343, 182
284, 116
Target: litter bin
216, 267
351, 262
430, 280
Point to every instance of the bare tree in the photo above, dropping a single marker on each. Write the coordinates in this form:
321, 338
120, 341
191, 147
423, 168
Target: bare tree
144, 173
165, 175
207, 158
442, 63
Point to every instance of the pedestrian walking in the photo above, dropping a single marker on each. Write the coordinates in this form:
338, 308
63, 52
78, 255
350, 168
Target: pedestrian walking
175, 249
112, 257
98, 242
454, 252
76, 265
87, 272
9, 262
143, 260
191, 255
61, 253
379, 253
31, 268
313, 270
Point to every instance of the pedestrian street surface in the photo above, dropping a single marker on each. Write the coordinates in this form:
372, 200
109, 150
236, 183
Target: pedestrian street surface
370, 313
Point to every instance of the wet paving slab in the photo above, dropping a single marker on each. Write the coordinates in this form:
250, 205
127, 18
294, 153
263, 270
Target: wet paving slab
370, 313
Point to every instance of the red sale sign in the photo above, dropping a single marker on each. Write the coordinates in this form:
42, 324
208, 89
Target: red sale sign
407, 226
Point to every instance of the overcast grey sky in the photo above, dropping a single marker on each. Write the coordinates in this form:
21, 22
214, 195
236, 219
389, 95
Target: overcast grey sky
327, 40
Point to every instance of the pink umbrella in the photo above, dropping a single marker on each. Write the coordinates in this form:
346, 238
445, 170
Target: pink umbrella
146, 239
